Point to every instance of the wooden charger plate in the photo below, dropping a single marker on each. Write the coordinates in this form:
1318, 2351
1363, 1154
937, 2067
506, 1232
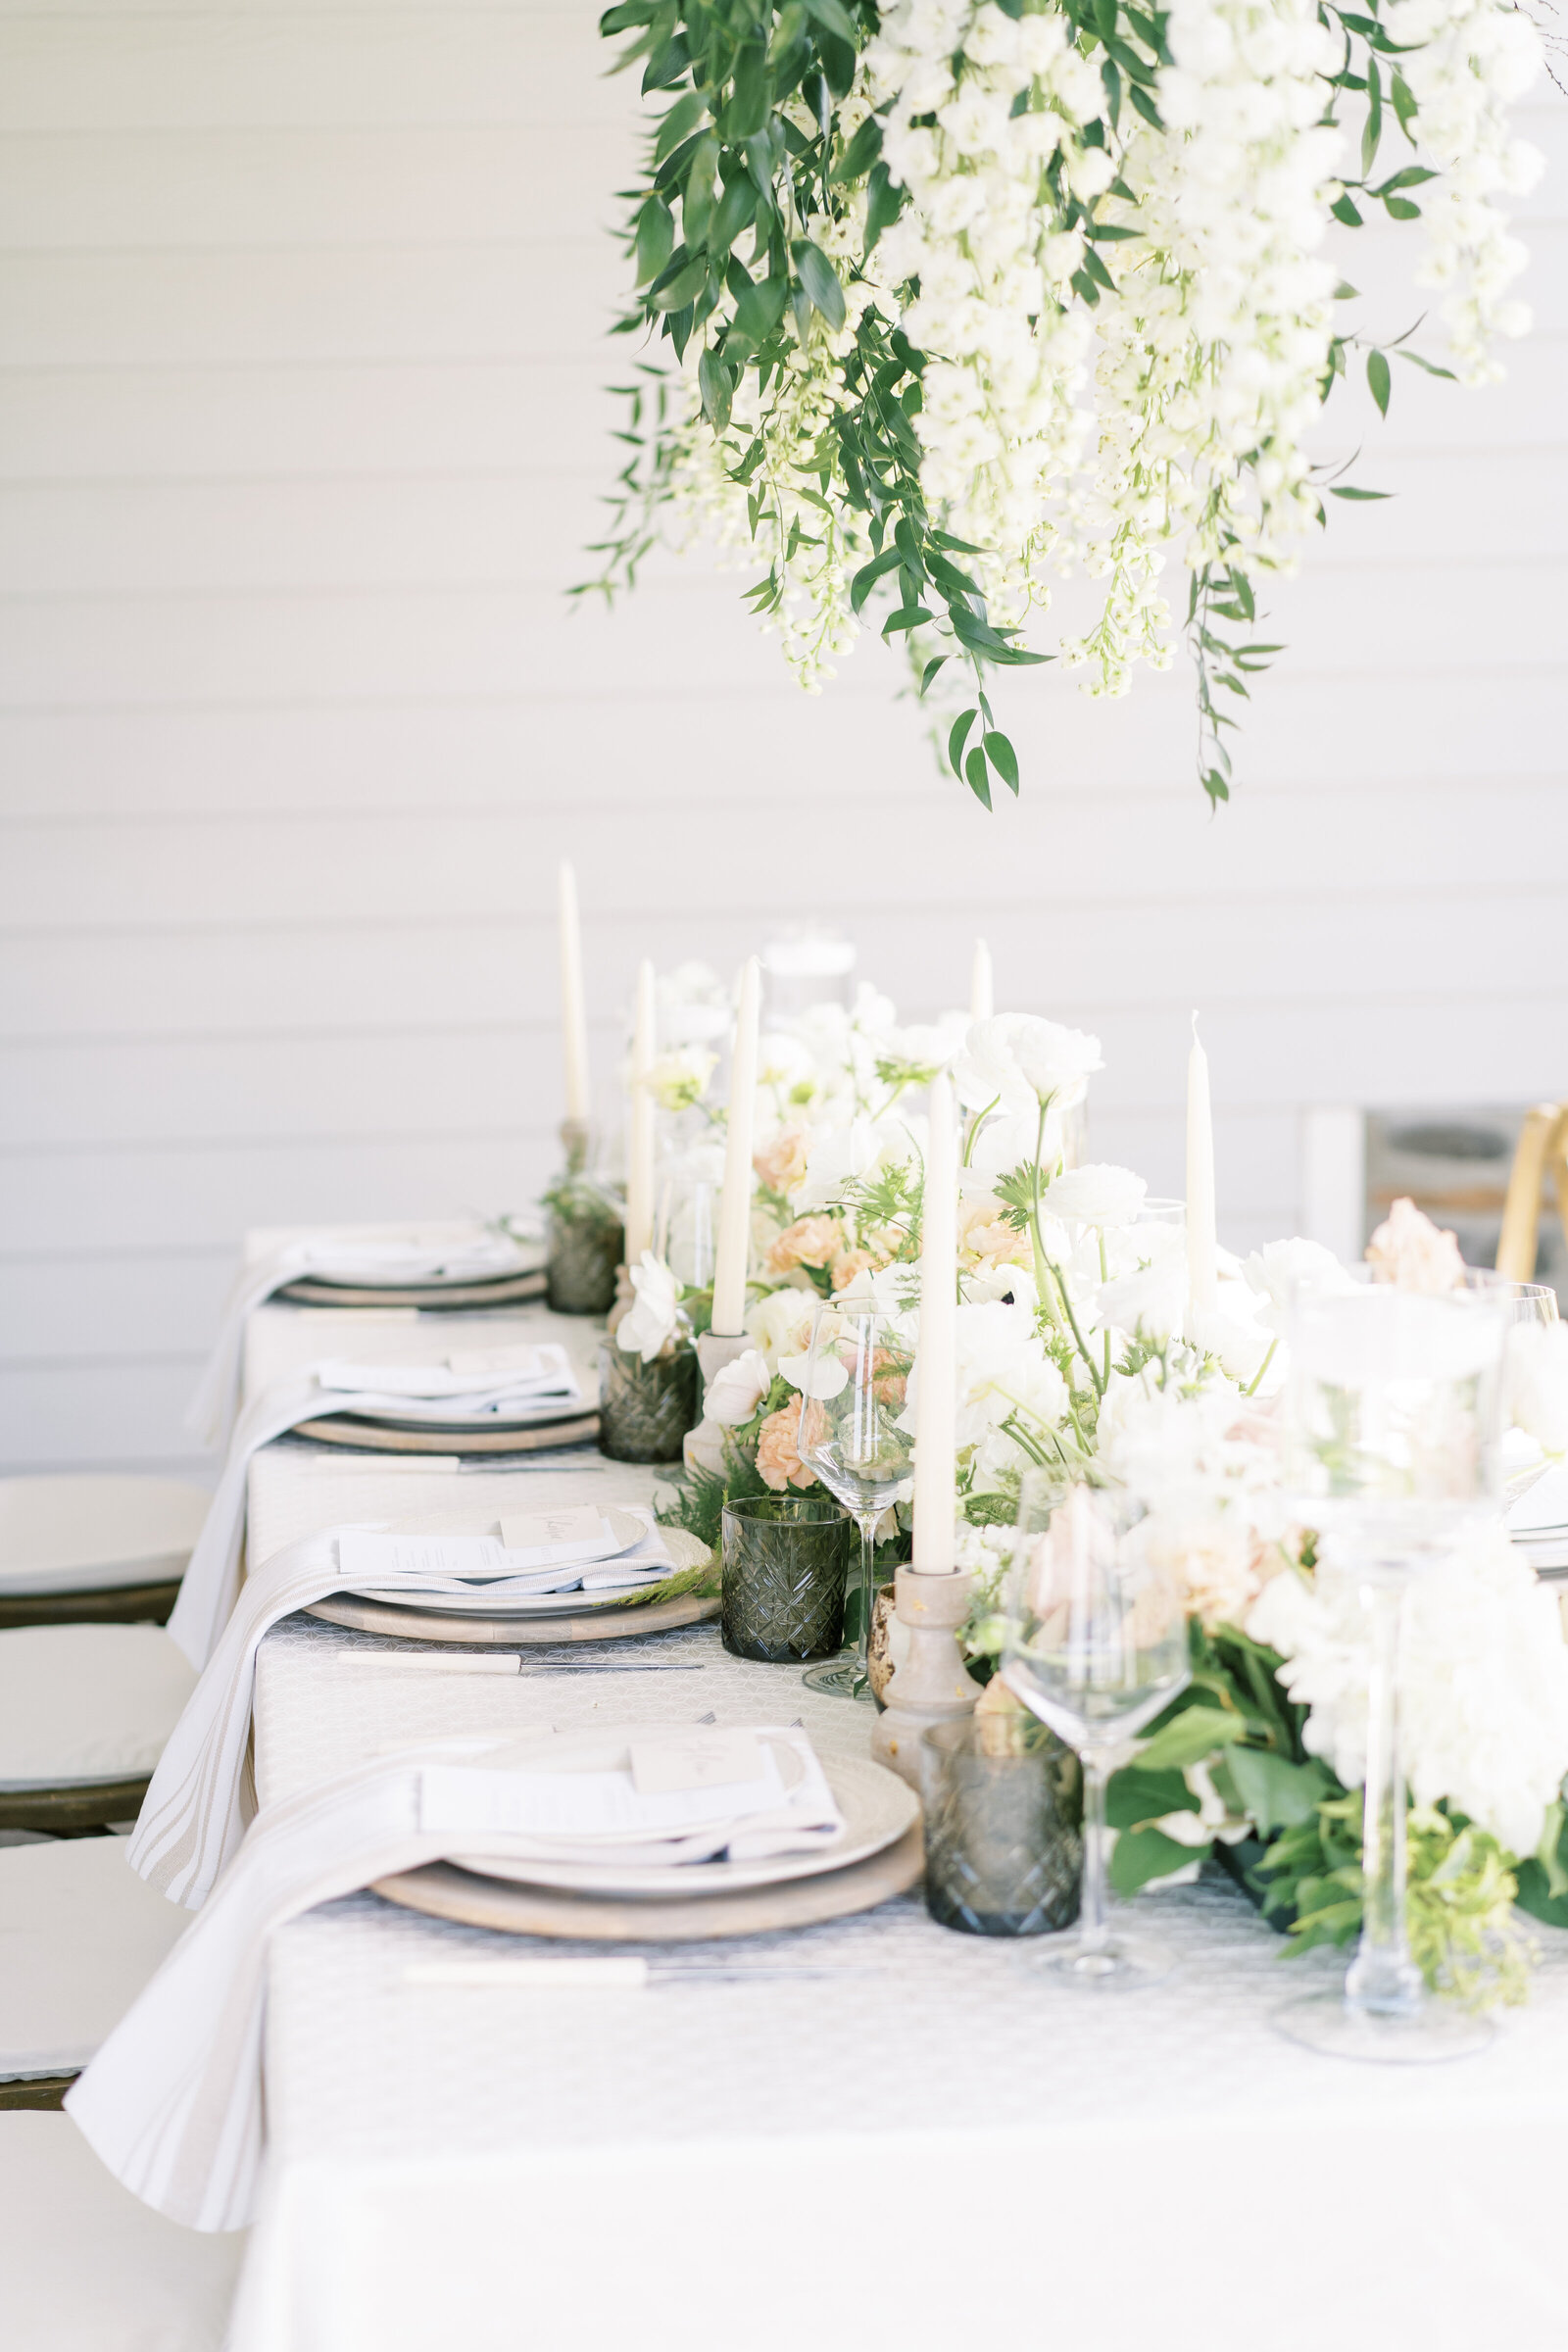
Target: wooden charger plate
604, 1624
506, 1289
444, 1891
398, 1437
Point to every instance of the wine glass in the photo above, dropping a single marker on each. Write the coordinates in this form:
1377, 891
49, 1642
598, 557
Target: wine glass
1097, 1646
686, 1223
851, 1435
1393, 1440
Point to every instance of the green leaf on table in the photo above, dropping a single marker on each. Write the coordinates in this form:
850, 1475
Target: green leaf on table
1189, 1738
817, 276
1275, 1794
1134, 1797
1140, 1855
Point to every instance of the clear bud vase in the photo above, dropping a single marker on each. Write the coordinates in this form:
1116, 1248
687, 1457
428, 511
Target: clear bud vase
645, 1409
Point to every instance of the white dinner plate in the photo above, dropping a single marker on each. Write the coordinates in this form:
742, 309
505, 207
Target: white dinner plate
483, 1600
877, 1808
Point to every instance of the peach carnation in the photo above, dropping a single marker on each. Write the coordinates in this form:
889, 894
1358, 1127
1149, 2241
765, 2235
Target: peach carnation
847, 1264
809, 1241
781, 1162
777, 1461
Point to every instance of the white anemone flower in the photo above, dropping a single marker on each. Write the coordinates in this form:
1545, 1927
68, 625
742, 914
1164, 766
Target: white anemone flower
1020, 1050
647, 1328
1096, 1196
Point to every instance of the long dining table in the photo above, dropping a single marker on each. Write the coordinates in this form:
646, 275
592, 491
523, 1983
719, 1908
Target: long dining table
872, 2129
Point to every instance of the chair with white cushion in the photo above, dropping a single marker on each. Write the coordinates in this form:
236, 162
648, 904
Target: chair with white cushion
84, 2267
84, 1714
104, 1549
80, 1934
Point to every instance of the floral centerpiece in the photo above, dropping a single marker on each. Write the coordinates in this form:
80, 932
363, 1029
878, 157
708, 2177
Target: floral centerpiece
962, 297
1076, 1348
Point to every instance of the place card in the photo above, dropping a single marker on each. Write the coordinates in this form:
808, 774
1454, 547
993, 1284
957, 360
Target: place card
482, 1363
532, 1531
704, 1760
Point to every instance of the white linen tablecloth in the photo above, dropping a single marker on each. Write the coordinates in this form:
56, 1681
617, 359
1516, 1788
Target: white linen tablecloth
906, 2137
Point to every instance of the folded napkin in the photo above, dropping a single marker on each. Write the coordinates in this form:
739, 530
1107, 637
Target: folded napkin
196, 1809
373, 1254
533, 1386
173, 2101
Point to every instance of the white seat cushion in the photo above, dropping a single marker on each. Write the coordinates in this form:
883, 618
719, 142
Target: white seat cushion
86, 1702
83, 1533
85, 2268
80, 1936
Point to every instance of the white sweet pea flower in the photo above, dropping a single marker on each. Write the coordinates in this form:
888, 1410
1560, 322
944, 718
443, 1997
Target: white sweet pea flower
1096, 1196
781, 1324
647, 1328
733, 1395
838, 1156
829, 1379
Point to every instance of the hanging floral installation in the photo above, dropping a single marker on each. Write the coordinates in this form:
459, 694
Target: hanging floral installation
964, 299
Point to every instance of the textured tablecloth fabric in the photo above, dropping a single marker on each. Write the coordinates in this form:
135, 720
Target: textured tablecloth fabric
909, 2137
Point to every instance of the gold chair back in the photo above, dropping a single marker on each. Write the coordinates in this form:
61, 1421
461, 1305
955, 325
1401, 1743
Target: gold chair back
1541, 1154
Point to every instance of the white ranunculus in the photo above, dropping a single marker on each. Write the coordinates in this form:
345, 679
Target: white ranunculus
733, 1395
1016, 1050
1096, 1196
1537, 1383
647, 1327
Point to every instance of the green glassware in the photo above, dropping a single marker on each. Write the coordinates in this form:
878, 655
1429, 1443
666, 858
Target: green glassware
584, 1252
1003, 1827
786, 1564
646, 1409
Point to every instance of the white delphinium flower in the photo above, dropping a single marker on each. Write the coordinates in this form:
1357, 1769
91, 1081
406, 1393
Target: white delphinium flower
1483, 1682
646, 1327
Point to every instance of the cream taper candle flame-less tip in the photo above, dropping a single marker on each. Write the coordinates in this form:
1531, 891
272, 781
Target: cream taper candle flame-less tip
573, 1010
982, 988
936, 1485
733, 1251
640, 1151
1202, 1256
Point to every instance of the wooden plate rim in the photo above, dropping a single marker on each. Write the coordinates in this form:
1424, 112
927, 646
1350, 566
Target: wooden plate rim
425, 1626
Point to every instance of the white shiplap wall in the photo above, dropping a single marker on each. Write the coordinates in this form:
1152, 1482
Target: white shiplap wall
301, 357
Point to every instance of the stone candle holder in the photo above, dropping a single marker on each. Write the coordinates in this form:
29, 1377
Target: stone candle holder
931, 1685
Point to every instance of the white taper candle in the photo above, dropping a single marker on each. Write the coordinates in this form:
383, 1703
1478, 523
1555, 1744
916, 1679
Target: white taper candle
640, 1151
573, 1014
1202, 1265
936, 1491
733, 1252
982, 990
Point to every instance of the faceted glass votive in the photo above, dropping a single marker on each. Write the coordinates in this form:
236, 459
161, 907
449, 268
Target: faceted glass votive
786, 1563
645, 1409
1003, 1827
580, 1270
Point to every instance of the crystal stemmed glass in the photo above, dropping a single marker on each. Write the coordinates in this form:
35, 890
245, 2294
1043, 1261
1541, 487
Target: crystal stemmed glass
1393, 1413
1097, 1648
851, 1435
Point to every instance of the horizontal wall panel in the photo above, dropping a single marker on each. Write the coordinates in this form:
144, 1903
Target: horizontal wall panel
375, 978
238, 69
677, 634
91, 1201
511, 300
462, 183
70, 1310
618, 756
1036, 853
531, 530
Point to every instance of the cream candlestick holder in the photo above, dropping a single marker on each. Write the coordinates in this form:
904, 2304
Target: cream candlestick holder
716, 1351
930, 1684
